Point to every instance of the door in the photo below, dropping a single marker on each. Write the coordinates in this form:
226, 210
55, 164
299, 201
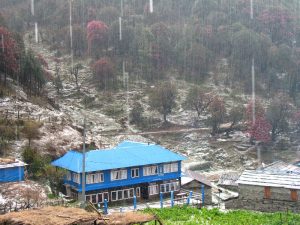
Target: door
267, 192
294, 195
144, 191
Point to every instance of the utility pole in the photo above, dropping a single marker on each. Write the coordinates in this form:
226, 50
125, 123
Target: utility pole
83, 166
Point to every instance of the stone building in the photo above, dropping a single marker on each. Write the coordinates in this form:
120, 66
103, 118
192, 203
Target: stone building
268, 190
192, 181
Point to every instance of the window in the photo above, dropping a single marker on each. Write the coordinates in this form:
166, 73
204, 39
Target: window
114, 196
94, 178
138, 192
153, 189
135, 172
126, 194
267, 192
171, 167
168, 187
91, 198
100, 198
150, 170
88, 198
94, 198
118, 174
68, 177
76, 178
131, 193
122, 194
294, 195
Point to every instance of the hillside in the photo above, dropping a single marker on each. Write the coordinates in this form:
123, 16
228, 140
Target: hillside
198, 54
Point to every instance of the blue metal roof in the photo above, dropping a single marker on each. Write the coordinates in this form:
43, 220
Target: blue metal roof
126, 154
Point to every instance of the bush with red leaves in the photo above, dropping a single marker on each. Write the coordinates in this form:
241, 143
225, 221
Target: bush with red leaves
96, 33
104, 72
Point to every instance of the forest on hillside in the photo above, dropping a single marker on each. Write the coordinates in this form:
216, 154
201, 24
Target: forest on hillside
170, 41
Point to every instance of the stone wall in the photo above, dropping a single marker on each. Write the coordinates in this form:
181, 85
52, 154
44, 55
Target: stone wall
263, 205
252, 198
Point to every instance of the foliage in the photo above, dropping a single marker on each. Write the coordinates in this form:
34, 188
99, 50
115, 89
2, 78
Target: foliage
55, 177
136, 113
198, 100
162, 98
36, 162
31, 131
217, 112
96, 35
278, 114
188, 215
236, 114
104, 73
32, 73
9, 53
260, 128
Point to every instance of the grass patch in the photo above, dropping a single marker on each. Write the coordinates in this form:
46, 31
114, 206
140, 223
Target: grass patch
191, 216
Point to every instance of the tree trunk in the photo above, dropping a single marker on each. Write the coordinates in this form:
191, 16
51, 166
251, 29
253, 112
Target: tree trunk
165, 118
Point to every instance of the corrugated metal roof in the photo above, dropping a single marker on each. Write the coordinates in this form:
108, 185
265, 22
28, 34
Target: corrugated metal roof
126, 154
270, 179
280, 166
229, 179
195, 176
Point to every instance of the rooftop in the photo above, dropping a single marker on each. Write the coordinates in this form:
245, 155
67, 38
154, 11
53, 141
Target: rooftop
270, 179
191, 175
9, 162
229, 179
126, 154
280, 166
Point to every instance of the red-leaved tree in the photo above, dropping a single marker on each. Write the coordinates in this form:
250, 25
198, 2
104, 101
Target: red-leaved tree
104, 72
8, 53
97, 32
259, 128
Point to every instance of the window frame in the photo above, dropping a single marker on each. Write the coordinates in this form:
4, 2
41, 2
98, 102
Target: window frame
136, 172
151, 189
95, 178
147, 172
171, 167
121, 171
76, 178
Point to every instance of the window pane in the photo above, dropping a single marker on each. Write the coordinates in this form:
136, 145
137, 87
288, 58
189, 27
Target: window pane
131, 193
94, 198
106, 196
138, 190
88, 198
137, 172
120, 195
113, 196
126, 194
100, 198
167, 187
162, 188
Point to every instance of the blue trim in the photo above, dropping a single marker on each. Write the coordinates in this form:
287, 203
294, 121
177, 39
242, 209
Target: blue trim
126, 182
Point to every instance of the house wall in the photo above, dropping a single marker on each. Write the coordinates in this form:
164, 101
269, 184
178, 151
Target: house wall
12, 174
253, 198
108, 183
196, 187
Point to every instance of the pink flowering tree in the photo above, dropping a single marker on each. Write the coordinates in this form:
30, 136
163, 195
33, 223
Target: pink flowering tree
97, 32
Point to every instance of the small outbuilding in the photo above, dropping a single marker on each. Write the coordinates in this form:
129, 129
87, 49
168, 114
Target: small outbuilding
268, 190
193, 181
11, 170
